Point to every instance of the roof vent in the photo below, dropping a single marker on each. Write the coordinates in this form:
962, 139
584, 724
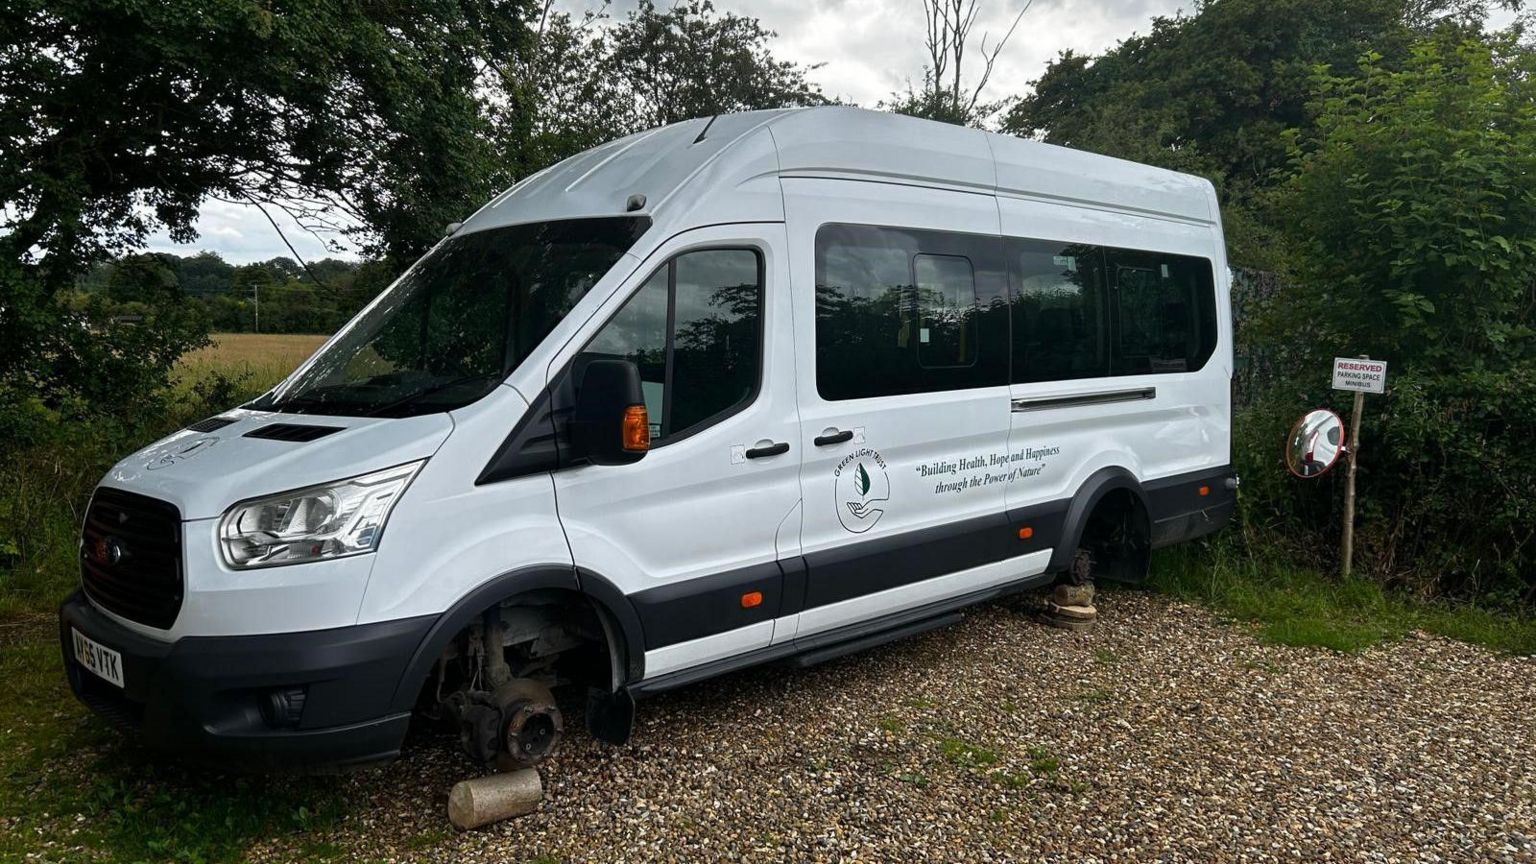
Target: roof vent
292, 432
212, 424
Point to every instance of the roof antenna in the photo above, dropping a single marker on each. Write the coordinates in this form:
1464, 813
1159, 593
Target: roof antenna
705, 130
634, 203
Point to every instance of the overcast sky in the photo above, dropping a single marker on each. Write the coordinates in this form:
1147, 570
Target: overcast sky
868, 48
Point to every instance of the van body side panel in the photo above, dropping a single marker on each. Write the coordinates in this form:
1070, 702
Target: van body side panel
453, 536
1155, 425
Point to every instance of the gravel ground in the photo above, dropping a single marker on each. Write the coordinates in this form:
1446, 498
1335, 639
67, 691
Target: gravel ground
1164, 735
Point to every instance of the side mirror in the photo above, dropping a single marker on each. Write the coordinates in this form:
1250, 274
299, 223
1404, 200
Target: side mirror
609, 425
1315, 443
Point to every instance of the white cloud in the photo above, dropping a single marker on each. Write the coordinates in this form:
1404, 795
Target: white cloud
241, 234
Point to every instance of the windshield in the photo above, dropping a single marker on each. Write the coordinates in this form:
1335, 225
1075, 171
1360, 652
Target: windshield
459, 321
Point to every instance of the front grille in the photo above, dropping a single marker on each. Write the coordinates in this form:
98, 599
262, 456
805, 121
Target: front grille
130, 556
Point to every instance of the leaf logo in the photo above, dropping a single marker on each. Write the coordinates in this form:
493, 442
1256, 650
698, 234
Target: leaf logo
861, 490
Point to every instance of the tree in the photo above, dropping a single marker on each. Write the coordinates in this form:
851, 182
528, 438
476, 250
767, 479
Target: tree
593, 79
946, 95
1214, 93
204, 274
148, 278
117, 118
1413, 212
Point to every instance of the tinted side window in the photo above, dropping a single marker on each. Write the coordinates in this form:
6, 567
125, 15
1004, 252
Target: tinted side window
905, 311
1165, 312
695, 331
717, 335
1060, 321
946, 311
638, 333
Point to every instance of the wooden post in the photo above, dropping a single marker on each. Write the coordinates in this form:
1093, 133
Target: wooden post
1347, 547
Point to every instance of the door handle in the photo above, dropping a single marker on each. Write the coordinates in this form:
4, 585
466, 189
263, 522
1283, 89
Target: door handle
770, 450
834, 438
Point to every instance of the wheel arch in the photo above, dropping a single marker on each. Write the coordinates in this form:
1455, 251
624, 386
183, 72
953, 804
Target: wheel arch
1093, 490
620, 623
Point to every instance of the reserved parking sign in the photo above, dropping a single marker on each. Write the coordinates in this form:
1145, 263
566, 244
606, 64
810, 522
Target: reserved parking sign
1361, 376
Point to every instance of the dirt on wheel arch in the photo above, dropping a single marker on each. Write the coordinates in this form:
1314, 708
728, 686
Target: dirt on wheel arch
1165, 734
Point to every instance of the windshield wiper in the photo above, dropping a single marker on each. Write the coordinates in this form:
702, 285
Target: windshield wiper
428, 391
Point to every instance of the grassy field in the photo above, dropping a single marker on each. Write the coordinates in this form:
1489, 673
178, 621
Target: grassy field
260, 359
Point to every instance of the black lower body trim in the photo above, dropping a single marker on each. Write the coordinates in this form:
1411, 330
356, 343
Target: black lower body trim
1180, 512
861, 632
870, 566
209, 698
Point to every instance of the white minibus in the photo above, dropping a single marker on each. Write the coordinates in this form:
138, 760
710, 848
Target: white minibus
770, 386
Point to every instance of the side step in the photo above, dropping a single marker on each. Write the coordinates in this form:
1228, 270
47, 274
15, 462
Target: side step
853, 646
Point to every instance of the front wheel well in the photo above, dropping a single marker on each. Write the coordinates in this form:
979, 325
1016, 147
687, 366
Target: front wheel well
555, 636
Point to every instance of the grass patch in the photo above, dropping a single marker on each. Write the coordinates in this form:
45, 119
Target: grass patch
890, 724
1042, 762
1010, 780
965, 754
1095, 695
1299, 606
68, 780
1045, 765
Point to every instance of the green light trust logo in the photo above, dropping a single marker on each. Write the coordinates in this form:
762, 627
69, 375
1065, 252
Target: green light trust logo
861, 486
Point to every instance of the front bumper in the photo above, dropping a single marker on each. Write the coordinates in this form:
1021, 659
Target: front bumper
202, 696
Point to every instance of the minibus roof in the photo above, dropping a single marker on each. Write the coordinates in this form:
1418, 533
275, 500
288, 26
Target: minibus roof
721, 169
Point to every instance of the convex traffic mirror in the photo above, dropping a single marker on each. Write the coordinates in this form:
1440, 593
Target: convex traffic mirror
1315, 443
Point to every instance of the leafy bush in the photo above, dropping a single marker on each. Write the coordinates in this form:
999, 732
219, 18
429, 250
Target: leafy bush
1412, 218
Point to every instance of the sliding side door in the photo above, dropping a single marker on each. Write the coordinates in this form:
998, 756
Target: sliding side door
901, 320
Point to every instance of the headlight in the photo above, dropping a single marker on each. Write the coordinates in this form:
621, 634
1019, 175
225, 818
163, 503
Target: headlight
328, 521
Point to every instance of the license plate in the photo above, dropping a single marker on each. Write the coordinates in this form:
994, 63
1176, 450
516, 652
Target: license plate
98, 658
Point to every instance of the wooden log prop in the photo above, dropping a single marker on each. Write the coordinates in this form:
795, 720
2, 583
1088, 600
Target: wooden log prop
1071, 608
483, 800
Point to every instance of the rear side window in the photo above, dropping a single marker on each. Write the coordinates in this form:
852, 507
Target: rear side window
1165, 309
1061, 311
695, 331
1082, 311
904, 311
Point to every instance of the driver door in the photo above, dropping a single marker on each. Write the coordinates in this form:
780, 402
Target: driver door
693, 533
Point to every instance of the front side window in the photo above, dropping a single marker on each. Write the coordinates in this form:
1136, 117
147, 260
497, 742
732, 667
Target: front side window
695, 331
459, 321
946, 306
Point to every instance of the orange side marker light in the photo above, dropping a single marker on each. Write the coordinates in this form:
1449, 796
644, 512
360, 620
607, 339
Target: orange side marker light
1204, 491
1026, 532
751, 599
637, 429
